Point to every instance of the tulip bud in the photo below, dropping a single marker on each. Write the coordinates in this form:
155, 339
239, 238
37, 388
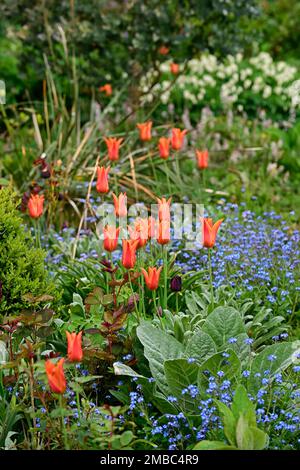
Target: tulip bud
176, 284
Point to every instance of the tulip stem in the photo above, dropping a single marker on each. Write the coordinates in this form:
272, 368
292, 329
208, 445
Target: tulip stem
37, 233
134, 299
142, 300
77, 395
153, 168
63, 424
167, 175
211, 278
177, 166
177, 306
141, 284
31, 383
203, 181
165, 261
156, 310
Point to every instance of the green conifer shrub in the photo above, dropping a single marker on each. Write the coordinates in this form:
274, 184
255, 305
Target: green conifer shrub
22, 268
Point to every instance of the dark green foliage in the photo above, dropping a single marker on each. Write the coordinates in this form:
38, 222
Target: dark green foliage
22, 268
279, 26
113, 38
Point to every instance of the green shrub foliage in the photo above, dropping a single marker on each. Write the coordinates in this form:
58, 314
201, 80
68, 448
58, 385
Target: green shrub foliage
22, 269
114, 41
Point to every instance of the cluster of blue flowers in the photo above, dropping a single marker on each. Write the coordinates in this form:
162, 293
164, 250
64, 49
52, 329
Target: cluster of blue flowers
276, 404
251, 252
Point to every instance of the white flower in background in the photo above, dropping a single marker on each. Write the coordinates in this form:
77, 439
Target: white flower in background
165, 97
165, 67
221, 74
267, 92
189, 96
274, 170
201, 94
244, 73
293, 91
228, 79
209, 80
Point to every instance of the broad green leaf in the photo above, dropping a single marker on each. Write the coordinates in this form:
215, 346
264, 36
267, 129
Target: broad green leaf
244, 437
193, 302
200, 346
218, 362
88, 378
229, 422
123, 369
158, 348
162, 404
275, 359
260, 438
180, 374
154, 396
126, 438
222, 324
95, 297
77, 307
213, 445
241, 348
242, 404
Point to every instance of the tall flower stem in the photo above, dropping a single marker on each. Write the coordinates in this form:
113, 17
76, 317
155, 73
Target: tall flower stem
142, 300
31, 384
211, 278
167, 175
155, 308
165, 261
77, 395
141, 284
134, 299
177, 305
37, 233
153, 168
63, 424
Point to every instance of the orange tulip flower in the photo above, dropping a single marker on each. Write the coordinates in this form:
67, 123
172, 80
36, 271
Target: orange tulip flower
177, 138
164, 235
152, 277
164, 208
209, 231
113, 147
145, 130
107, 89
120, 203
152, 227
36, 205
56, 376
75, 353
129, 253
164, 147
139, 232
102, 179
174, 68
111, 235
164, 50
202, 159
